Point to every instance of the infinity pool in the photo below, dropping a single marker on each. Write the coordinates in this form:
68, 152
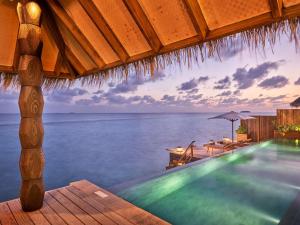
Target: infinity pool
253, 186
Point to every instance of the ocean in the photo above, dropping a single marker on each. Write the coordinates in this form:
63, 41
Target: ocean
106, 149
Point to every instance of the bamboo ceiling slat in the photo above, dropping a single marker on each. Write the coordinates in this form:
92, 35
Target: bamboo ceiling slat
74, 9
196, 15
220, 13
50, 51
75, 61
123, 25
9, 26
104, 28
115, 37
76, 49
170, 20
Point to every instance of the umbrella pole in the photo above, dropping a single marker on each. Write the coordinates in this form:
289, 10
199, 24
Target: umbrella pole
232, 134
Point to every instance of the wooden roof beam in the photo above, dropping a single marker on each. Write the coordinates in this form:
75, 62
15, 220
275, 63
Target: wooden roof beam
74, 61
291, 11
72, 27
197, 17
109, 35
257, 21
144, 24
51, 27
276, 7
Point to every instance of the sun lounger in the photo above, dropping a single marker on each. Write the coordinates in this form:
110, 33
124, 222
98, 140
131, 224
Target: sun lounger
224, 147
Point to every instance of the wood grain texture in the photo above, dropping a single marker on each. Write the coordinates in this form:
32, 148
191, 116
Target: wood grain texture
32, 194
31, 104
98, 216
21, 217
29, 39
30, 70
104, 28
122, 207
74, 209
72, 206
31, 133
72, 27
144, 24
51, 216
32, 163
61, 211
6, 216
276, 7
29, 12
197, 17
99, 206
52, 28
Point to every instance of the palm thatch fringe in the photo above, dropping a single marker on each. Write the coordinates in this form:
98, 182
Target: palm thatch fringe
255, 39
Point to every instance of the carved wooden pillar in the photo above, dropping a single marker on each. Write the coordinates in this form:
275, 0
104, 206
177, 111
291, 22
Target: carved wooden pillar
31, 105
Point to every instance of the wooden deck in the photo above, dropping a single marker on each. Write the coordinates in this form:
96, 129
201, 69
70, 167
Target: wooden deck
79, 203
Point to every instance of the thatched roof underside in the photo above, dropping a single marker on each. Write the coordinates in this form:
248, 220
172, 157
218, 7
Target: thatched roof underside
104, 38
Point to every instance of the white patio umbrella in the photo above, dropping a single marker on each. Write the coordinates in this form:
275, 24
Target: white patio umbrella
232, 116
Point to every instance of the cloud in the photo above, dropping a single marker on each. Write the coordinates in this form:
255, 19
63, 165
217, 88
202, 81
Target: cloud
274, 82
246, 102
237, 92
297, 82
98, 92
192, 84
193, 91
192, 98
133, 82
225, 93
65, 95
148, 99
168, 98
223, 83
246, 78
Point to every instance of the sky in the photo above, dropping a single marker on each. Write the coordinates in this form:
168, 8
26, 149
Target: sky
240, 79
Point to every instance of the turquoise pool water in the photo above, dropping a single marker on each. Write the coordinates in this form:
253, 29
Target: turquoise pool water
254, 186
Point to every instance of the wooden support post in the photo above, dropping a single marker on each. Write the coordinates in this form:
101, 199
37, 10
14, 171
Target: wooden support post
31, 105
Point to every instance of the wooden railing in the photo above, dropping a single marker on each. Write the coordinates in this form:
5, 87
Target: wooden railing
187, 156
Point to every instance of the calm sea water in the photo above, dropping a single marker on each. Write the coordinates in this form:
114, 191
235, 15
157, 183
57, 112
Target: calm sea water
107, 149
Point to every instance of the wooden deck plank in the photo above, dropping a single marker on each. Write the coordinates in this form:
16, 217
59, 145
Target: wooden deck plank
99, 206
38, 218
51, 216
65, 214
75, 210
78, 204
120, 206
6, 217
98, 216
21, 217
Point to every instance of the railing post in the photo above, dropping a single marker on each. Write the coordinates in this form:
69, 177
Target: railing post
31, 105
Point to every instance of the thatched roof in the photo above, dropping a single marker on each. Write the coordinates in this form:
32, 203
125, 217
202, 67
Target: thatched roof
100, 38
296, 103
